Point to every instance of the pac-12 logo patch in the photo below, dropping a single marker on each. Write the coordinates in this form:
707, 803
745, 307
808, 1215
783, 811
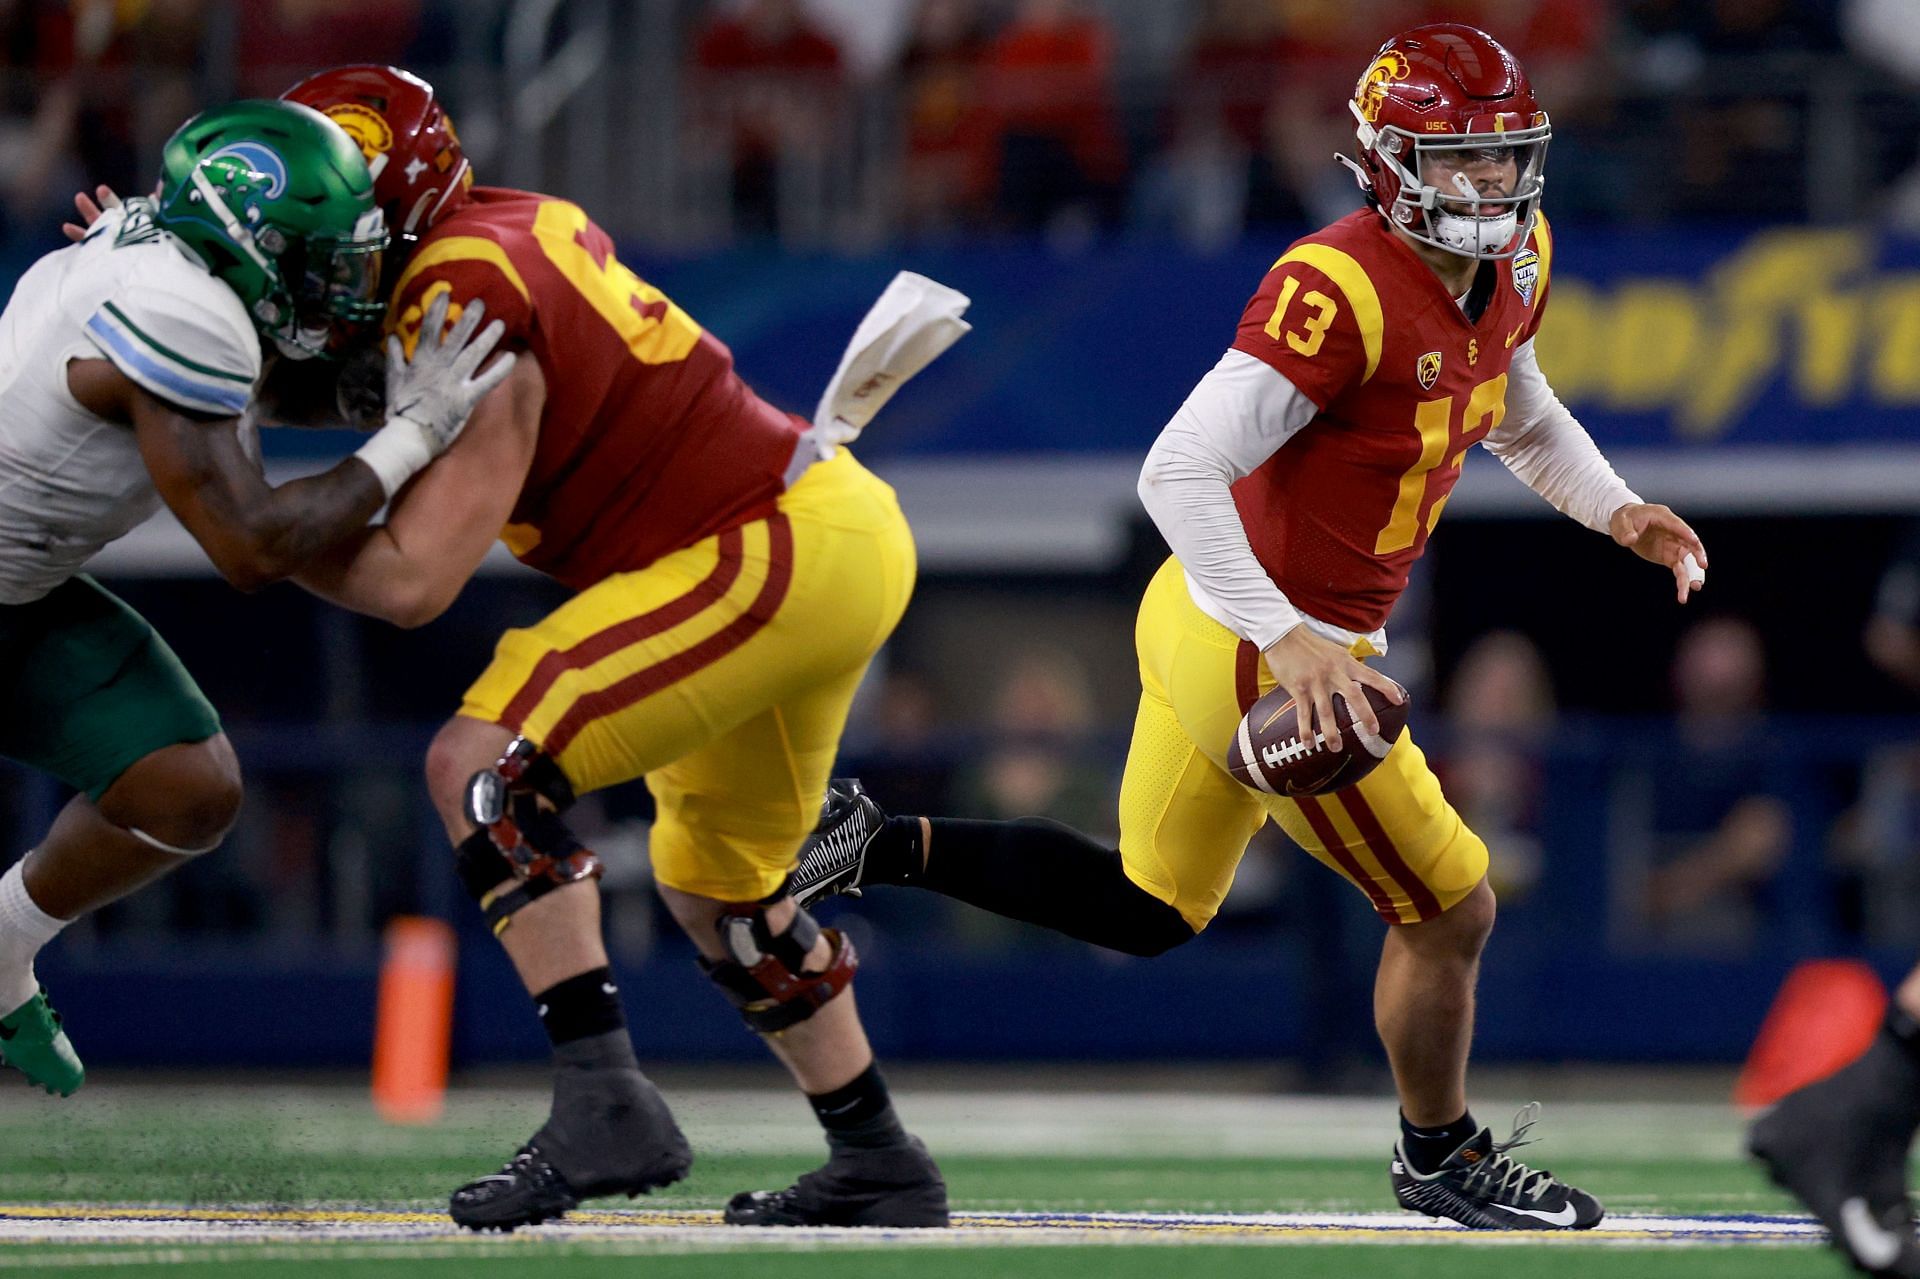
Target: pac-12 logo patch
1526, 274
1427, 369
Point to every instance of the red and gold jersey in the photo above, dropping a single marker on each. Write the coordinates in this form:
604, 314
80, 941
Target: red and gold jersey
649, 440
1405, 383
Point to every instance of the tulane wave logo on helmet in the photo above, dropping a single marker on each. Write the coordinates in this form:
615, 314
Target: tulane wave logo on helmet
256, 158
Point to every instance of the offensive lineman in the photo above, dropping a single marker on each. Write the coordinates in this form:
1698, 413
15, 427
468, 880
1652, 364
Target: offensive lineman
129, 362
1296, 485
731, 590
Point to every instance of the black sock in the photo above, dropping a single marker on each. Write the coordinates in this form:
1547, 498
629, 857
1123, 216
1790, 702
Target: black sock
1427, 1148
1052, 875
859, 1115
581, 1006
896, 855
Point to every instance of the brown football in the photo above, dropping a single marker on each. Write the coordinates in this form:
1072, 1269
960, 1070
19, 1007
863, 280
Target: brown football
1268, 754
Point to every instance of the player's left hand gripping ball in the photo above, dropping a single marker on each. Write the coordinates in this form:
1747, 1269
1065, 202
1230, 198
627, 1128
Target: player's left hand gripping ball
1270, 754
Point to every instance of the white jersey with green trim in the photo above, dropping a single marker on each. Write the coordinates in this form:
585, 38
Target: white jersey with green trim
71, 482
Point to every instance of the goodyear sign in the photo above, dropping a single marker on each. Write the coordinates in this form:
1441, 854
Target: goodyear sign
1788, 336
1687, 340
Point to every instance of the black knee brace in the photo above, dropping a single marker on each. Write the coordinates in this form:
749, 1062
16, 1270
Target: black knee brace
523, 850
766, 977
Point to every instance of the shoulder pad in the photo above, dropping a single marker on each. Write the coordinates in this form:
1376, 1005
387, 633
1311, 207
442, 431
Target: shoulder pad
180, 334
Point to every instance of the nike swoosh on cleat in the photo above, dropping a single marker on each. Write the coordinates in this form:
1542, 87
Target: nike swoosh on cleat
1871, 1243
1563, 1217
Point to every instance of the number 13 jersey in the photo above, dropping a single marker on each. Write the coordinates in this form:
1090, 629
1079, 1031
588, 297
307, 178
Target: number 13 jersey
1405, 384
649, 440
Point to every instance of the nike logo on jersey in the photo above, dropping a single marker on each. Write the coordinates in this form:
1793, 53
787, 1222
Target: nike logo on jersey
1563, 1217
1872, 1244
1516, 333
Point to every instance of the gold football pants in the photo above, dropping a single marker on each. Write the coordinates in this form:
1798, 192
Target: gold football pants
721, 673
1185, 822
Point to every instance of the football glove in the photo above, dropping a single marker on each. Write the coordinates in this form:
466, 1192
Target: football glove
430, 396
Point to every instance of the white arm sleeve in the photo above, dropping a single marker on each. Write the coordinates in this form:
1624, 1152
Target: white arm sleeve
1238, 415
1541, 442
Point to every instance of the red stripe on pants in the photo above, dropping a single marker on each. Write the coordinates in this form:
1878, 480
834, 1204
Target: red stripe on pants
701, 596
1246, 675
1337, 849
644, 683
1425, 904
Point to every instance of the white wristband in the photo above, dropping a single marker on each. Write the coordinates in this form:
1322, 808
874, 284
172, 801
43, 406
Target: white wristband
397, 452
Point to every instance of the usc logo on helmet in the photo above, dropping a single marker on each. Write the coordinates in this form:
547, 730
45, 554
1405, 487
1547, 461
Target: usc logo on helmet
1371, 92
366, 127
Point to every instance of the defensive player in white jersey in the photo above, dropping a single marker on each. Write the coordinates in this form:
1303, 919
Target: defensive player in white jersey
128, 364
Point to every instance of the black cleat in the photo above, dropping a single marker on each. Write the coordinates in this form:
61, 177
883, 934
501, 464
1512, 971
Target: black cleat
1840, 1145
609, 1135
1481, 1187
898, 1186
526, 1192
834, 858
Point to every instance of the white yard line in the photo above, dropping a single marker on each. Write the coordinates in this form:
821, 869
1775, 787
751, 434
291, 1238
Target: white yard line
184, 1234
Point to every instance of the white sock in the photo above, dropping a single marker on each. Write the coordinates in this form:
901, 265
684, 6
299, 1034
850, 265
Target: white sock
24, 929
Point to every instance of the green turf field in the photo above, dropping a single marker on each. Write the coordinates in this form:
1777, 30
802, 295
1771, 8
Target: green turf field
258, 1179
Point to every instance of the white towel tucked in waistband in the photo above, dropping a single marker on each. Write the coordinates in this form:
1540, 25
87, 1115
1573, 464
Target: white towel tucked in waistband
906, 329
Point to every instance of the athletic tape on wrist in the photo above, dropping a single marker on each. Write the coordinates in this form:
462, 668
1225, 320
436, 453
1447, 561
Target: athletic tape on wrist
396, 453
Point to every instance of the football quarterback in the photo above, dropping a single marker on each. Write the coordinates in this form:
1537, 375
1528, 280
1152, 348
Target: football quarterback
1296, 485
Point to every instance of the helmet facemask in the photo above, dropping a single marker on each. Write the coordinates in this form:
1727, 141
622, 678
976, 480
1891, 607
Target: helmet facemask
335, 286
320, 292
1473, 194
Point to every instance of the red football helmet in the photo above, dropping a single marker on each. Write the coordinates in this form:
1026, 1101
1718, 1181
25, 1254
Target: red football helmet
1443, 111
419, 173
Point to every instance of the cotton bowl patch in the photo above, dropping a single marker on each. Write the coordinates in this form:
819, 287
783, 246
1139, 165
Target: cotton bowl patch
1526, 274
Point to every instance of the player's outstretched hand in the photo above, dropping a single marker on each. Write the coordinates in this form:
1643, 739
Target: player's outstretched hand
437, 388
1313, 669
1657, 534
90, 211
431, 395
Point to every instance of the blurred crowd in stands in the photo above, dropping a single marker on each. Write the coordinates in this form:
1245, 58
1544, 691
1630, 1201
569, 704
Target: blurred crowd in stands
1196, 119
1202, 119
